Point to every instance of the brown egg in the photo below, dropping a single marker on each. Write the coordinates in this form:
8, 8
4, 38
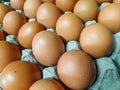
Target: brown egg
47, 47
2, 35
47, 14
4, 9
116, 1
97, 40
13, 21
65, 5
8, 53
17, 4
19, 75
86, 9
46, 84
49, 1
27, 32
102, 1
110, 17
76, 69
30, 7
69, 27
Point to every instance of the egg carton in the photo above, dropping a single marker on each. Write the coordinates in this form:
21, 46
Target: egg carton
107, 67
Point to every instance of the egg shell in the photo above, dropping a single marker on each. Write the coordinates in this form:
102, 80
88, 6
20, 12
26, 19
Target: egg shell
8, 53
2, 35
102, 1
13, 21
47, 47
49, 1
19, 75
69, 26
65, 5
47, 14
27, 32
110, 17
4, 9
116, 1
86, 9
17, 4
97, 40
47, 84
30, 7
76, 69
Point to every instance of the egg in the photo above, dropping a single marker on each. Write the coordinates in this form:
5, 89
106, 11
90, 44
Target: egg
2, 35
19, 75
4, 9
17, 4
86, 9
27, 32
8, 53
49, 1
30, 7
47, 84
110, 17
102, 1
69, 27
76, 69
65, 5
97, 40
116, 1
47, 14
47, 47
13, 21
